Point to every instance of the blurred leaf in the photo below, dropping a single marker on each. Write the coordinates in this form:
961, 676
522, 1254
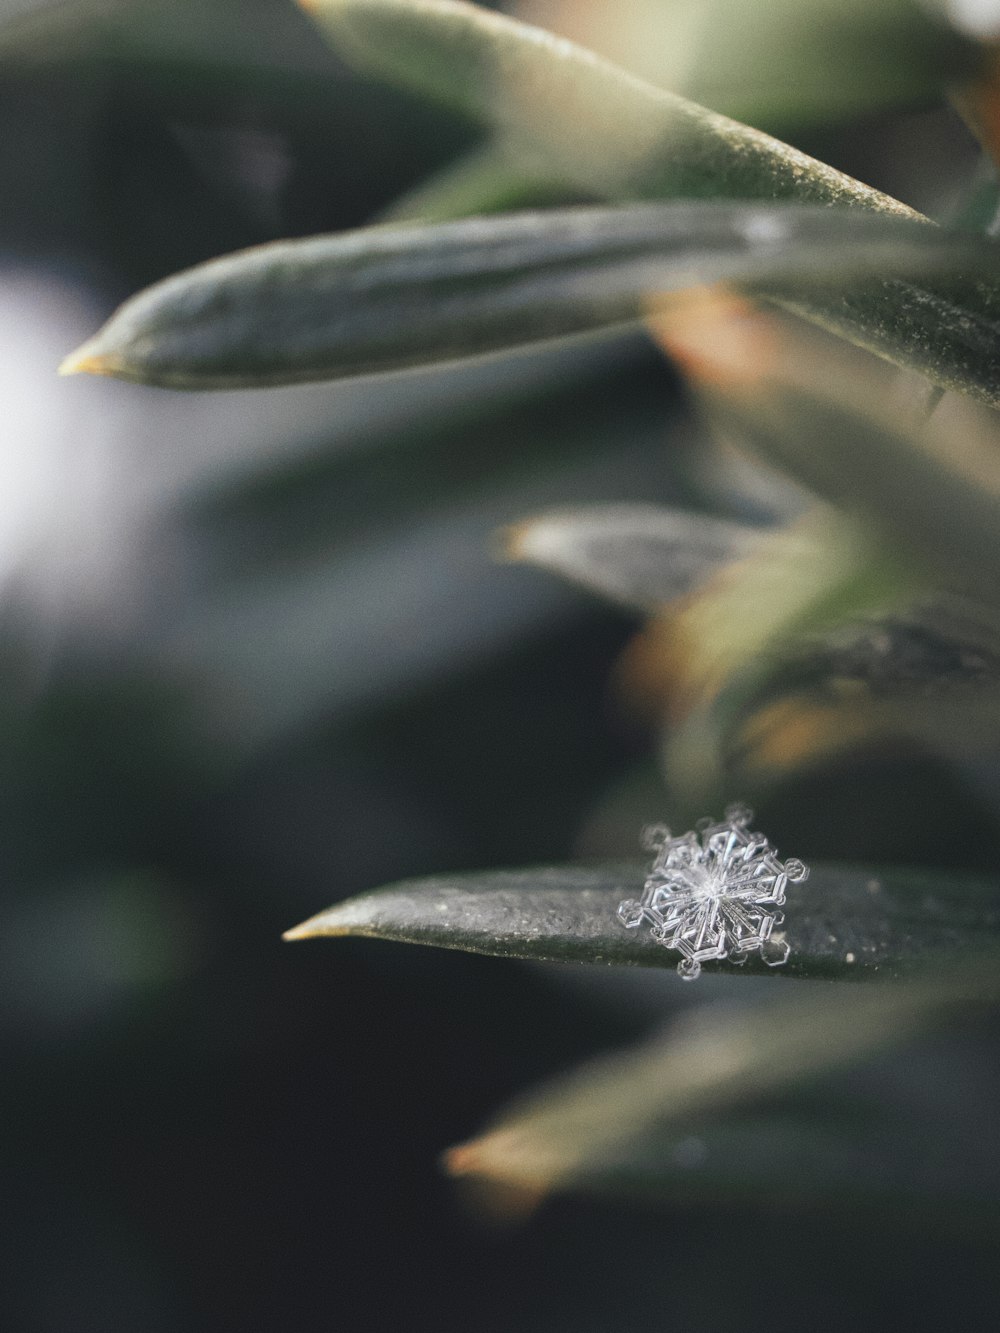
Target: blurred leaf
559, 109
256, 37
931, 673
816, 599
392, 297
581, 118
798, 586
978, 18
641, 555
787, 63
977, 98
830, 1153
799, 697
888, 621
843, 922
610, 1117
949, 336
832, 421
39, 15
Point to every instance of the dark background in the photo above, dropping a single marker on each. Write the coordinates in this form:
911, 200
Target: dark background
256, 657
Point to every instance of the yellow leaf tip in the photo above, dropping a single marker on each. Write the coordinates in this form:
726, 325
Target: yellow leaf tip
310, 6
508, 542
314, 927
461, 1160
495, 1197
85, 361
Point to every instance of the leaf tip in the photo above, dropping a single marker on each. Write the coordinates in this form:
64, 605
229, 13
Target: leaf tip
461, 1159
86, 360
324, 923
536, 541
498, 1153
304, 931
508, 542
493, 1197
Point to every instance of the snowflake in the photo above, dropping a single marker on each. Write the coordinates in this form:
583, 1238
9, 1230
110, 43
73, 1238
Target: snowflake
714, 896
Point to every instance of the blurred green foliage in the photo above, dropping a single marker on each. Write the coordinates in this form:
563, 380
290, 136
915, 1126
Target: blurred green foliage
258, 653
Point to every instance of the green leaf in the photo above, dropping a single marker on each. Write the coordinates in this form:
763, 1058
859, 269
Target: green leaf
640, 555
792, 62
944, 521
815, 623
815, 644
838, 1154
255, 37
929, 490
704, 663
393, 297
581, 118
614, 1117
886, 621
558, 109
843, 922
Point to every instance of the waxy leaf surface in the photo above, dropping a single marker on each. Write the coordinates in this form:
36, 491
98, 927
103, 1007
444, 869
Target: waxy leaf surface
389, 298
843, 922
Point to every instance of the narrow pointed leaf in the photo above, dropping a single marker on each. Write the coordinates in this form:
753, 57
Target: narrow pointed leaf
801, 587
605, 1117
930, 490
850, 1157
587, 121
887, 623
640, 555
394, 297
559, 109
843, 922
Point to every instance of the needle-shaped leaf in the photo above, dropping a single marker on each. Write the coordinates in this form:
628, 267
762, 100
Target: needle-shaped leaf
887, 622
393, 297
831, 1151
819, 641
613, 1116
640, 555
558, 109
829, 418
587, 121
798, 588
843, 922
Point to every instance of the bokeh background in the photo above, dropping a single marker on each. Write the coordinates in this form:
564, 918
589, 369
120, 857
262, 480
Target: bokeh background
257, 654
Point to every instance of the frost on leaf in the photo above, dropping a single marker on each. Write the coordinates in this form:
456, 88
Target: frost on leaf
715, 893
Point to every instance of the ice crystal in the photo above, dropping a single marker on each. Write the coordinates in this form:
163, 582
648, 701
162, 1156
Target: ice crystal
715, 893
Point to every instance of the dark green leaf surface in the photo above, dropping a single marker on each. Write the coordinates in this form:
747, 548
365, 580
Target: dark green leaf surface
561, 111
395, 297
843, 922
645, 556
